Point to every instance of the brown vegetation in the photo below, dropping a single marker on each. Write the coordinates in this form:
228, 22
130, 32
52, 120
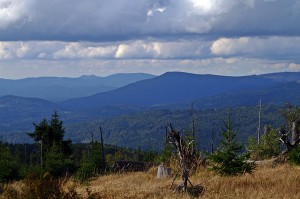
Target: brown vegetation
266, 182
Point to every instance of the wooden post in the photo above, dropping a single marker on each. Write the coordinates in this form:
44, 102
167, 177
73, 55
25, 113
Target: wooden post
102, 149
42, 153
25, 151
92, 137
259, 120
193, 125
199, 138
212, 140
166, 136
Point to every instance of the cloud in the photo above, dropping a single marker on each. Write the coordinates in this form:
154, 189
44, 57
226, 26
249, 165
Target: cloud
273, 48
81, 51
29, 50
14, 13
294, 67
114, 20
140, 49
164, 50
260, 47
76, 37
73, 68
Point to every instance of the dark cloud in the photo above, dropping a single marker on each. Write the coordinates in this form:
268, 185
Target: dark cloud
265, 17
75, 37
110, 20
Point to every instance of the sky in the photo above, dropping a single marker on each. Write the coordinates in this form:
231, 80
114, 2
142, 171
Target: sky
71, 38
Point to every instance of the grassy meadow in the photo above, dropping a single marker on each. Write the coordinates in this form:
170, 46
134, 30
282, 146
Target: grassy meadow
265, 182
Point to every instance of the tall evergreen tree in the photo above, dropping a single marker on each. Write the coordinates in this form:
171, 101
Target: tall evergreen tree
55, 152
228, 160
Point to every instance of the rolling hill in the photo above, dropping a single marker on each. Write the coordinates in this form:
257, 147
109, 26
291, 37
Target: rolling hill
63, 88
171, 87
17, 115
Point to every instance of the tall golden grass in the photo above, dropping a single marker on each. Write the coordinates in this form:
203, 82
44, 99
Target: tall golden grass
267, 182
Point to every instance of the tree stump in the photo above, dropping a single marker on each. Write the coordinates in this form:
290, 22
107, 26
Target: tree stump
163, 172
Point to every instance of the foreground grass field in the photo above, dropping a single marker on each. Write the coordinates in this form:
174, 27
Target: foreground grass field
279, 182
265, 182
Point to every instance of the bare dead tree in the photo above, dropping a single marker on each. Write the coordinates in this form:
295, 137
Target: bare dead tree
295, 135
186, 155
102, 150
292, 115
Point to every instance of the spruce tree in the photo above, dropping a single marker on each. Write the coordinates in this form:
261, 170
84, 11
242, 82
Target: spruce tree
229, 160
55, 152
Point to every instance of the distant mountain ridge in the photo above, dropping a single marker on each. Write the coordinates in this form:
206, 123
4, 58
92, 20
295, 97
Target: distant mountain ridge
170, 87
283, 76
170, 91
63, 88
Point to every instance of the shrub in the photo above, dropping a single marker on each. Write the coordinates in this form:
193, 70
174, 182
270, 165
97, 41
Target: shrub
46, 187
294, 156
9, 167
86, 170
58, 163
267, 148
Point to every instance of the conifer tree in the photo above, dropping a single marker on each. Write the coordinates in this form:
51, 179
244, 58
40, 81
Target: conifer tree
228, 160
55, 152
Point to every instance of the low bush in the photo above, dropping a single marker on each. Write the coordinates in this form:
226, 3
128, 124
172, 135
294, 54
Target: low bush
45, 187
294, 156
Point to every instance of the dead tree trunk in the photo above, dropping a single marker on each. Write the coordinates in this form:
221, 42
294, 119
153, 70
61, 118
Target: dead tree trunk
186, 154
295, 131
291, 136
295, 136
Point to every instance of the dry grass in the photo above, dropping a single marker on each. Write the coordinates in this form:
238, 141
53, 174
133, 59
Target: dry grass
266, 182
280, 182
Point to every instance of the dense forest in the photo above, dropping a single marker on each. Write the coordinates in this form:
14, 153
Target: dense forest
145, 129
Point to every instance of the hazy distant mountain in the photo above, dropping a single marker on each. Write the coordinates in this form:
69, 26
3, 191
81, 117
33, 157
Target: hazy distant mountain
62, 88
170, 87
283, 76
279, 94
17, 114
168, 91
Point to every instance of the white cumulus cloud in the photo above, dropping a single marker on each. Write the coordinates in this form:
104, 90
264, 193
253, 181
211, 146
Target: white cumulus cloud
273, 47
14, 11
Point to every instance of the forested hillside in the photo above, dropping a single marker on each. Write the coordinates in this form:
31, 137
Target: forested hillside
146, 129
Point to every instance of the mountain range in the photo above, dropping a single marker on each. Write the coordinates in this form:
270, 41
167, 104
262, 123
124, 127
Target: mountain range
63, 88
171, 87
143, 93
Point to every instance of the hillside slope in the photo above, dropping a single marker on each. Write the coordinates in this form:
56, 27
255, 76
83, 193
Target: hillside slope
63, 88
17, 115
170, 87
146, 129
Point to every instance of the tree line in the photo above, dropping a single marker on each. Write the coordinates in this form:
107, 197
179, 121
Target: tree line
52, 153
